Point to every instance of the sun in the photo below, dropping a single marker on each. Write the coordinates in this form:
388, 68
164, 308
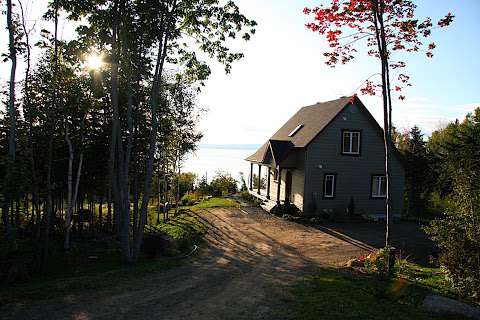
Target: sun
94, 61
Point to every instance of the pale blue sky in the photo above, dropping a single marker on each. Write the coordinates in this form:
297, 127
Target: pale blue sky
284, 69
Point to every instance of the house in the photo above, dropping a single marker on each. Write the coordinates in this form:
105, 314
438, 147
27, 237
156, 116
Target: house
327, 157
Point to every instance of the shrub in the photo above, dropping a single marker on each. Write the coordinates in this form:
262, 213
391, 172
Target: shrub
458, 233
459, 242
189, 199
245, 195
223, 184
243, 183
380, 262
286, 210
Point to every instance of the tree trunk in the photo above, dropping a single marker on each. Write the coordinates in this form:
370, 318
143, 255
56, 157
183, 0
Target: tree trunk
48, 210
381, 45
120, 187
100, 212
159, 200
177, 198
12, 114
154, 102
71, 199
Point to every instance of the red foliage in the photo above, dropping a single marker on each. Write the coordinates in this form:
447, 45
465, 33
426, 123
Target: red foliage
344, 22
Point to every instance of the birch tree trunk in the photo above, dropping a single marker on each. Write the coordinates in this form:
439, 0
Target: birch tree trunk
12, 113
154, 103
71, 199
48, 209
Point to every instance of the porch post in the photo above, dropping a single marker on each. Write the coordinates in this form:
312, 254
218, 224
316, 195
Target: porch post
279, 182
259, 178
268, 183
251, 176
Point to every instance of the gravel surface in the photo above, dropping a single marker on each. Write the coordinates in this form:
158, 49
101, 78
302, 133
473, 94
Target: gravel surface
238, 273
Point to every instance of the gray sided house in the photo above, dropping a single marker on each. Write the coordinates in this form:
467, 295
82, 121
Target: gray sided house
326, 157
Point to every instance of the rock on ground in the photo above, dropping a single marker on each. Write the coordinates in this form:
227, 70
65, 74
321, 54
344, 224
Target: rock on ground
442, 304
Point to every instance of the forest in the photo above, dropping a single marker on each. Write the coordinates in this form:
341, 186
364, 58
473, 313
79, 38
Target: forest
95, 130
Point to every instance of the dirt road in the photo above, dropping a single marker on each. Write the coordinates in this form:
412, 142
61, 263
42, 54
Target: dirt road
237, 274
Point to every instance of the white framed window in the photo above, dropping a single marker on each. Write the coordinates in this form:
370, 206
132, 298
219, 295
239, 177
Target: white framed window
379, 186
329, 185
351, 142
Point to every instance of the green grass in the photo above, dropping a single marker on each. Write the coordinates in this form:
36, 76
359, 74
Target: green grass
431, 278
337, 295
185, 228
75, 273
216, 203
95, 275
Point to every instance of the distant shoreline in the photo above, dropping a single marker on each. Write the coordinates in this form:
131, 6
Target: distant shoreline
230, 146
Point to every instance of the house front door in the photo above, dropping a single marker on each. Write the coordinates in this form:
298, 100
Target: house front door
288, 186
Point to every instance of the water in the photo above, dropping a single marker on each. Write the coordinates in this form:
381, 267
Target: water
210, 158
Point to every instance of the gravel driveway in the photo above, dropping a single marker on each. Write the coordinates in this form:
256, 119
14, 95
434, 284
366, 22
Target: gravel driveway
239, 273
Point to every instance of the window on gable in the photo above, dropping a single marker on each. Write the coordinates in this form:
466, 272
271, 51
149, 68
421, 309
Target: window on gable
294, 131
329, 185
379, 186
351, 142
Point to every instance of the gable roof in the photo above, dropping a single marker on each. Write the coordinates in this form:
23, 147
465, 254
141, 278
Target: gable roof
260, 154
312, 119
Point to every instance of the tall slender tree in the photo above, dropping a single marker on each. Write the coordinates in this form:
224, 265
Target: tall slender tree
387, 27
12, 115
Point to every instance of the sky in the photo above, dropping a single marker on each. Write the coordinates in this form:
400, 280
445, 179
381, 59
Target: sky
284, 69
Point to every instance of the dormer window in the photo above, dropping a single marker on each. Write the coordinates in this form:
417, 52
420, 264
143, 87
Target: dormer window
294, 131
351, 142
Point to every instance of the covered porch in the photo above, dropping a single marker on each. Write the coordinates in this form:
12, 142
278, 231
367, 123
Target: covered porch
270, 178
270, 190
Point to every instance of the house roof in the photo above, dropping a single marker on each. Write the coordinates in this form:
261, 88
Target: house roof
314, 119
260, 154
280, 149
300, 129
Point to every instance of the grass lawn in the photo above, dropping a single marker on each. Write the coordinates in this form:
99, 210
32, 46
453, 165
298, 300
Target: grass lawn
75, 272
106, 273
333, 294
215, 203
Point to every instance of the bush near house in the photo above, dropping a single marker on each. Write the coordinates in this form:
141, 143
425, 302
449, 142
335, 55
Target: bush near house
222, 184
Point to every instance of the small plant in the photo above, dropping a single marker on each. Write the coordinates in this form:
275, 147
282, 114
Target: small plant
287, 210
380, 262
245, 195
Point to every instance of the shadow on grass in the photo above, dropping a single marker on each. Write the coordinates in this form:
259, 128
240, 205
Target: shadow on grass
84, 278
332, 294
